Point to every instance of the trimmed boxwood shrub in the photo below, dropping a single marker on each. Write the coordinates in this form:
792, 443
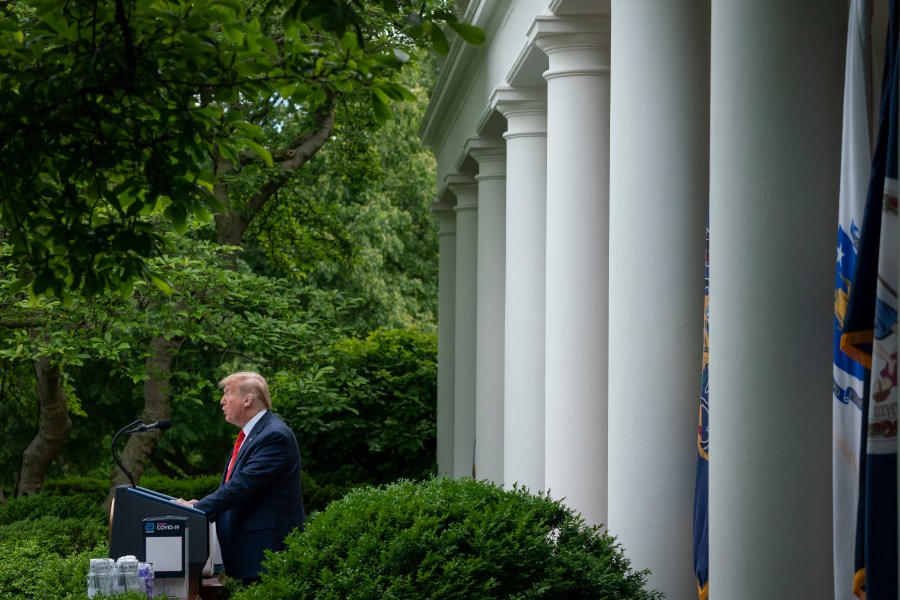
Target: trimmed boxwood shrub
95, 488
79, 507
446, 538
46, 542
28, 571
195, 487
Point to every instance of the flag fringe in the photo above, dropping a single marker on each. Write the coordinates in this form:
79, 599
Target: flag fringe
859, 584
703, 591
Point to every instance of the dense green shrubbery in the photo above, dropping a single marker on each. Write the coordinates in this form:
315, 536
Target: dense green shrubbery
77, 506
446, 538
46, 542
95, 488
195, 487
73, 492
29, 571
390, 381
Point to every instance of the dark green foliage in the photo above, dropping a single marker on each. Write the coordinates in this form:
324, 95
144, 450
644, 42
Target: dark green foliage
28, 571
82, 497
389, 431
316, 496
446, 538
79, 506
112, 111
46, 542
358, 219
196, 487
93, 488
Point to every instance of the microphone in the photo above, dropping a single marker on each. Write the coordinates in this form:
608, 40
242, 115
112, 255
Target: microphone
160, 425
135, 427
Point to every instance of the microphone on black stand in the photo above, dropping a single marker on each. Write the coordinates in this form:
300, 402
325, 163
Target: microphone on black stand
160, 425
136, 427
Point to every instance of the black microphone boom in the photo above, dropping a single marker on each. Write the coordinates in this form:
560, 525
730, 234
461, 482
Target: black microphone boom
131, 428
160, 425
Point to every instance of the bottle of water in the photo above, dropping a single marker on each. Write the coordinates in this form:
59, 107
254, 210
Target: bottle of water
127, 579
100, 576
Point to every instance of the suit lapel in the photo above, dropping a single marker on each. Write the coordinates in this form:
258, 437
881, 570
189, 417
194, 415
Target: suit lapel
250, 439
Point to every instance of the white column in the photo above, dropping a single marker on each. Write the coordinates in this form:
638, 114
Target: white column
491, 157
577, 260
526, 230
466, 191
776, 80
659, 175
446, 333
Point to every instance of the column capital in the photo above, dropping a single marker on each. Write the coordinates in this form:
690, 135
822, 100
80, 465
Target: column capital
490, 154
525, 110
575, 44
512, 100
484, 148
464, 188
446, 216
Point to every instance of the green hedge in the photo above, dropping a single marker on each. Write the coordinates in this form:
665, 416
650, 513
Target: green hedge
445, 538
78, 506
79, 490
29, 571
46, 543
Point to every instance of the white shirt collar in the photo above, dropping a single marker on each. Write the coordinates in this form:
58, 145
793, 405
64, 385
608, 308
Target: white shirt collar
249, 426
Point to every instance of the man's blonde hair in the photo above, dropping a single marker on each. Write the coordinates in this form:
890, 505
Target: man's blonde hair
248, 382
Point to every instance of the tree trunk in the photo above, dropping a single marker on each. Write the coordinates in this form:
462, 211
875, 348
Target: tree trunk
53, 428
232, 223
140, 446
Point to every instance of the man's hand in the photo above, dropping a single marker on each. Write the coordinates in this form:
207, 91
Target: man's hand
184, 502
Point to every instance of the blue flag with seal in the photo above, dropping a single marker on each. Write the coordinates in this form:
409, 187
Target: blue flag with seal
848, 375
701, 482
870, 336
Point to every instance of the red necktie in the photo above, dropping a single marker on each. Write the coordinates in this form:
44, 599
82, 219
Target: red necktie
234, 453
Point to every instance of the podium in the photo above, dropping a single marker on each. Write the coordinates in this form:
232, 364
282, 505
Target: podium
132, 506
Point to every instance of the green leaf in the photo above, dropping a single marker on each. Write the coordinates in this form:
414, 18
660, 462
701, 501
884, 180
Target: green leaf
163, 285
260, 151
382, 112
439, 40
469, 33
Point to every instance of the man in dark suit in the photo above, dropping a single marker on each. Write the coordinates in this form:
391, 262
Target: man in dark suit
259, 500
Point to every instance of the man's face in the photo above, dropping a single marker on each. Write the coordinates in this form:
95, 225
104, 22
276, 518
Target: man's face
233, 405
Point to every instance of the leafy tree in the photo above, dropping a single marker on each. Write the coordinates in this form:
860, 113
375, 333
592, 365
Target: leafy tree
244, 319
122, 110
358, 220
115, 110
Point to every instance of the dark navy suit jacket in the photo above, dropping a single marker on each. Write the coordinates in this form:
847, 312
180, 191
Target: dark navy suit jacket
262, 502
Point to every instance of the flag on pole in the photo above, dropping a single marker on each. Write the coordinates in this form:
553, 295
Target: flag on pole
849, 375
701, 483
870, 336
